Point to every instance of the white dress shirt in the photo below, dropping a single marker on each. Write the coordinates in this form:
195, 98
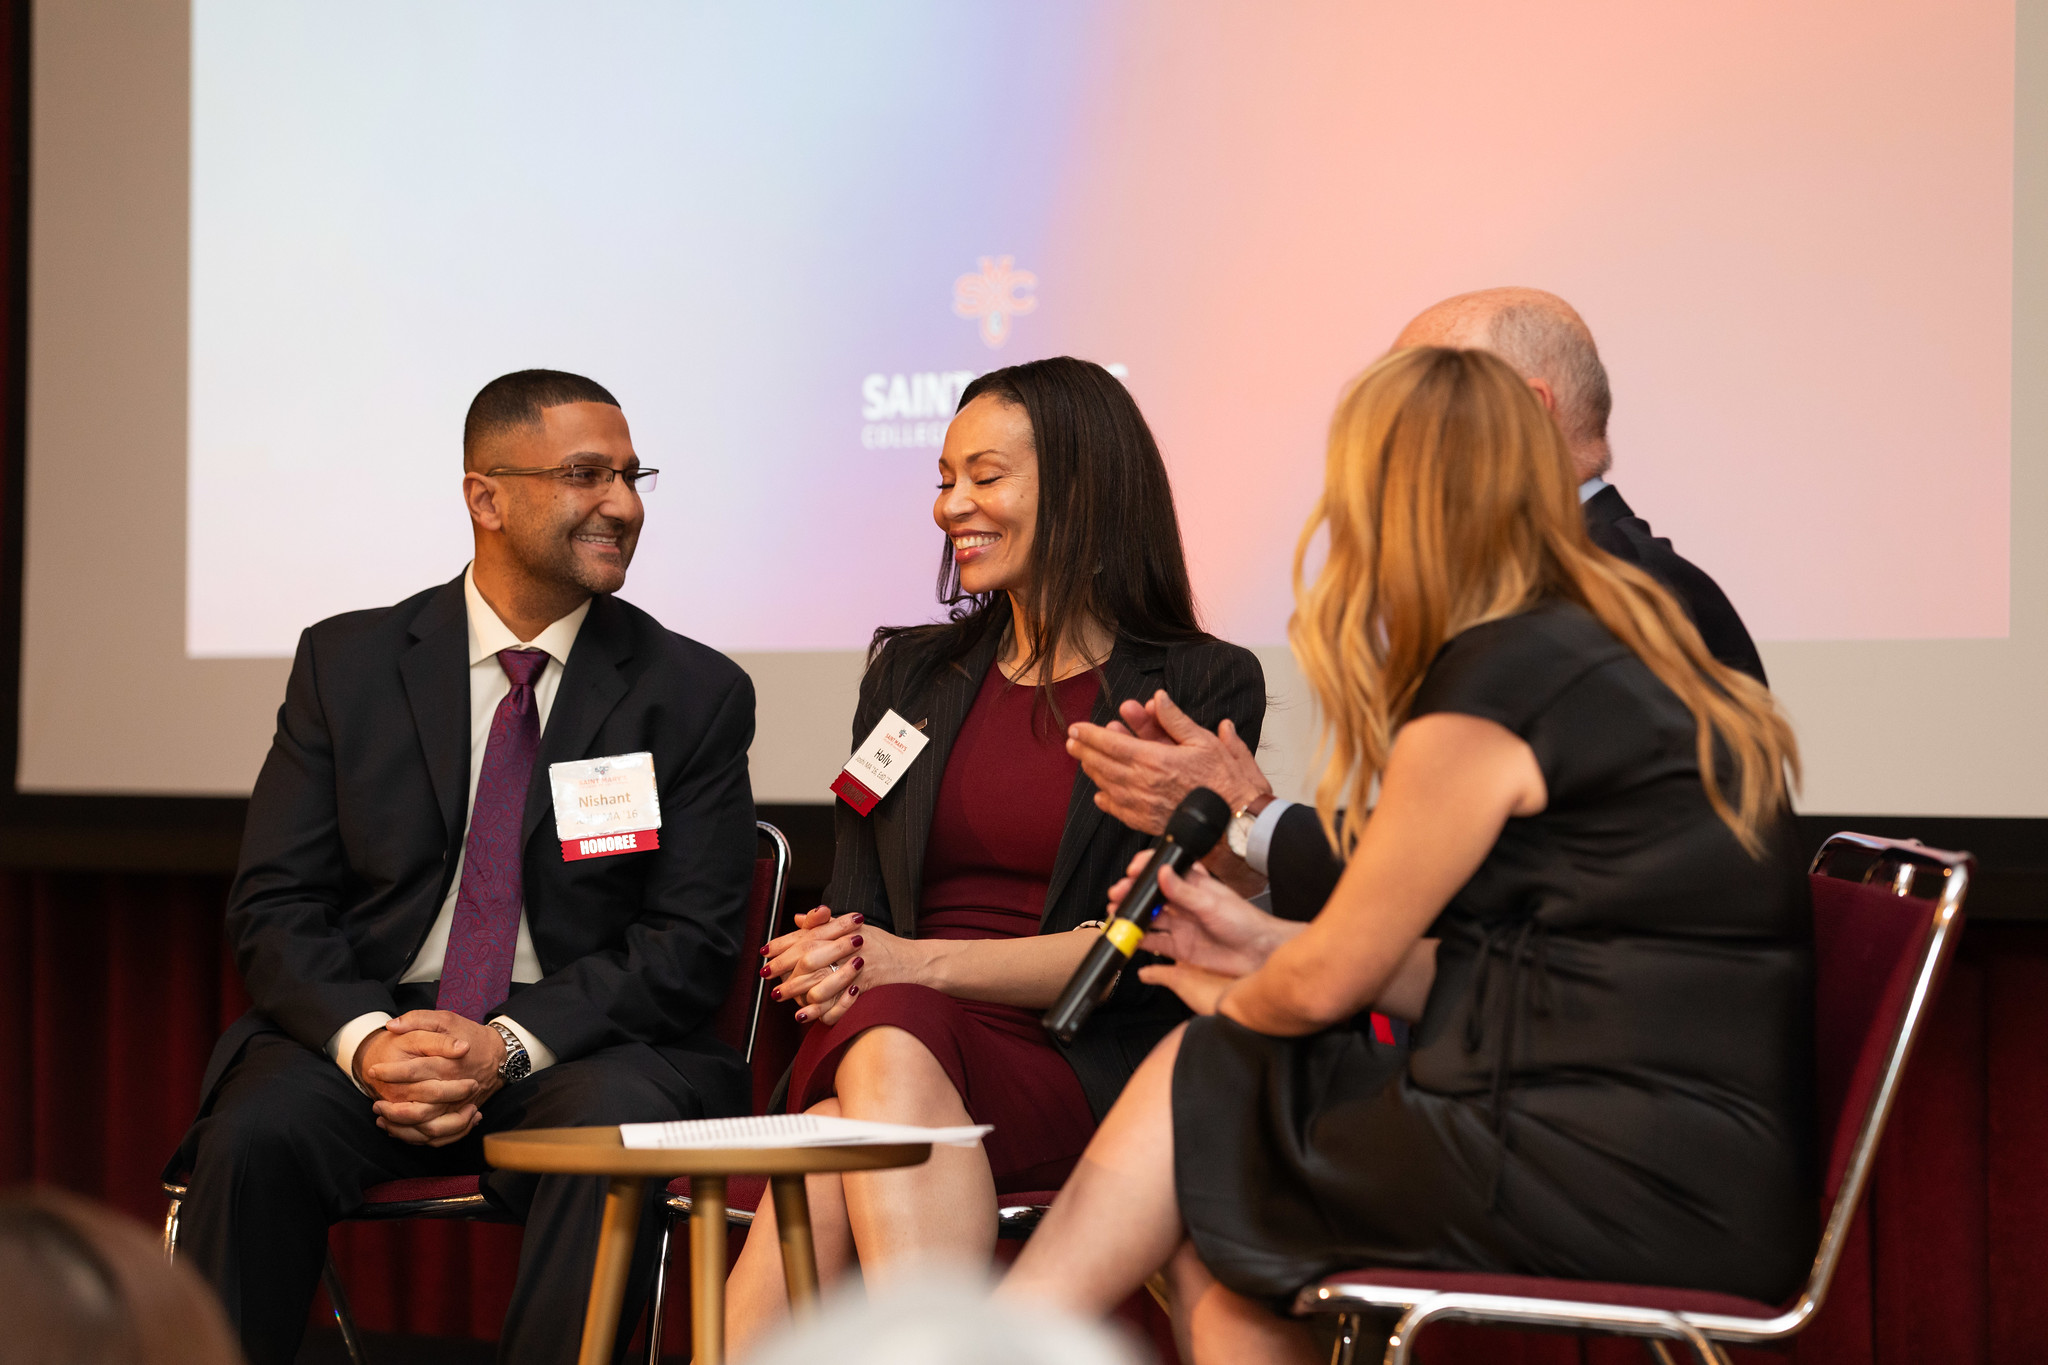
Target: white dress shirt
1258, 847
488, 686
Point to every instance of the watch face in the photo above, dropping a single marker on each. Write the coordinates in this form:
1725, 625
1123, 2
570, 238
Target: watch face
516, 1064
1239, 835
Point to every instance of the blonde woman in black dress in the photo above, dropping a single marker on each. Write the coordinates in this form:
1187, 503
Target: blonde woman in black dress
1575, 881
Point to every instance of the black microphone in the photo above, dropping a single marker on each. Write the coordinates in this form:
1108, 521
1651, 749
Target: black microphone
1197, 823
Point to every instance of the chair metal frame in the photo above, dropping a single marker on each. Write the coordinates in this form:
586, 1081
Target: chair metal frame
675, 1206
1415, 1308
475, 1207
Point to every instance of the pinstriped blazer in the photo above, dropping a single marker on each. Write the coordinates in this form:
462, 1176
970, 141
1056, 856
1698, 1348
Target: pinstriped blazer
878, 861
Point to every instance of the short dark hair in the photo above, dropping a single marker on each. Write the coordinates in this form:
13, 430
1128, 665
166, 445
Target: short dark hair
516, 400
1108, 542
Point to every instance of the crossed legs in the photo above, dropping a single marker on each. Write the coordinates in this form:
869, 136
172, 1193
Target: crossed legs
1118, 1220
884, 1221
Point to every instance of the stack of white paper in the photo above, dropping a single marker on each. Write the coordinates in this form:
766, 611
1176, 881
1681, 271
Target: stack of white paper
790, 1130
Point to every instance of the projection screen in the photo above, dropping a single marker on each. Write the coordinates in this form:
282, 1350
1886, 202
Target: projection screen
277, 247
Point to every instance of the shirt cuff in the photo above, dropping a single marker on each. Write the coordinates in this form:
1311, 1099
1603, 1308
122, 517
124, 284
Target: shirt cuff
342, 1046
538, 1054
1260, 845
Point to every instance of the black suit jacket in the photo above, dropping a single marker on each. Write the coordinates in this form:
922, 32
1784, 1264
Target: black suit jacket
878, 861
358, 818
1299, 861
1619, 531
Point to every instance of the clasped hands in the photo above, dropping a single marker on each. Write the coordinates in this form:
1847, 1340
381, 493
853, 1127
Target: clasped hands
430, 1072
823, 964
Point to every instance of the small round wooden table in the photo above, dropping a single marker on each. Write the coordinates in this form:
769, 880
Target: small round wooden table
598, 1151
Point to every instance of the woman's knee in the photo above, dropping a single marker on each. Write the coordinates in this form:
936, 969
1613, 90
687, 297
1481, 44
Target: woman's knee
889, 1064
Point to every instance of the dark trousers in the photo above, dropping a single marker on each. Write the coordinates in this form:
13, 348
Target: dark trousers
289, 1144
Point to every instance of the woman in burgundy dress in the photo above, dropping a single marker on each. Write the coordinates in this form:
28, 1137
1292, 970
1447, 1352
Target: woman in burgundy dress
963, 901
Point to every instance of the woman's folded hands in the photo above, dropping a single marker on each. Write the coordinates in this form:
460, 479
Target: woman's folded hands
824, 962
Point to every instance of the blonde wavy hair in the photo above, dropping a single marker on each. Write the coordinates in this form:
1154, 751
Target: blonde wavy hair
1449, 500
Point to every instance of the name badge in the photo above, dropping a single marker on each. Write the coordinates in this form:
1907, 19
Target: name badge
879, 762
605, 806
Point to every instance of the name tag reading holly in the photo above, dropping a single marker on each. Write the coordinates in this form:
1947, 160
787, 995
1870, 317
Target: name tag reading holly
605, 806
879, 761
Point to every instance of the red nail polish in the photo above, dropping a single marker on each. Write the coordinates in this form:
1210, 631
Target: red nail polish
764, 950
775, 994
860, 919
767, 972
852, 991
859, 962
801, 1016
859, 939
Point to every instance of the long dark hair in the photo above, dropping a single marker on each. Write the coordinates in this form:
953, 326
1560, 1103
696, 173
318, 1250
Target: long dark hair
1107, 544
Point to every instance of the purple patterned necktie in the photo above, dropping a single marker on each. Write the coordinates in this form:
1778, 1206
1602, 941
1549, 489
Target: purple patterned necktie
477, 972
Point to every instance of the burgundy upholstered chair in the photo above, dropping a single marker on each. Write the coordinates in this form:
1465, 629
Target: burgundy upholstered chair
1886, 915
738, 1024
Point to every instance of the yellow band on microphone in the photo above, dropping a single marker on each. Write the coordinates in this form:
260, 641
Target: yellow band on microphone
1123, 935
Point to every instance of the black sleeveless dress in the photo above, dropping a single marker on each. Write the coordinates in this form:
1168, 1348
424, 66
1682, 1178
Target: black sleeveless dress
1613, 1076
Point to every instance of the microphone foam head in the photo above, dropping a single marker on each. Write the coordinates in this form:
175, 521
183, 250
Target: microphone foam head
1198, 822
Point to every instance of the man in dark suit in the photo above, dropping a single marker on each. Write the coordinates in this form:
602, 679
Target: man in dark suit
1146, 763
428, 963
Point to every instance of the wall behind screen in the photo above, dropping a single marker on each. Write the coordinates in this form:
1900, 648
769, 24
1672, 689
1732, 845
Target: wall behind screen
111, 703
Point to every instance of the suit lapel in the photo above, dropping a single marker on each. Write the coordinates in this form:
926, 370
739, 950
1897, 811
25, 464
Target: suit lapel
591, 687
1131, 672
435, 670
904, 828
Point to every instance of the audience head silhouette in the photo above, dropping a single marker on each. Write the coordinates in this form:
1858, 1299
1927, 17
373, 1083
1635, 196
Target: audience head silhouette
81, 1285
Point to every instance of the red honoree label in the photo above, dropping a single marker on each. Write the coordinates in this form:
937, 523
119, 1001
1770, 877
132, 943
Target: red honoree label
848, 789
606, 845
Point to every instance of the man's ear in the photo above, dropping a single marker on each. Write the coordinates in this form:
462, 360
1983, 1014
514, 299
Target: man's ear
1544, 395
481, 496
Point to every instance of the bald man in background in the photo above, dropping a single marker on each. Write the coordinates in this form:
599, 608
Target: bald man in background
1545, 339
1145, 764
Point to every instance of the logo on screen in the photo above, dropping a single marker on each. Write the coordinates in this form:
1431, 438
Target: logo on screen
910, 410
996, 295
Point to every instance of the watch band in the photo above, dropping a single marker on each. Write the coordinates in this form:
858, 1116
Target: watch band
517, 1065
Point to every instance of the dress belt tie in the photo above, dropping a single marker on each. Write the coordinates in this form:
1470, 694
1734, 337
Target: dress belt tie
1524, 946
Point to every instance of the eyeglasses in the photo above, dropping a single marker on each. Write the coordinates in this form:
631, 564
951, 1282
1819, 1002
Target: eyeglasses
588, 478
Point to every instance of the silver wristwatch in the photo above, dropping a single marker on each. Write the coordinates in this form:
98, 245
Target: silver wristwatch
517, 1066
1238, 834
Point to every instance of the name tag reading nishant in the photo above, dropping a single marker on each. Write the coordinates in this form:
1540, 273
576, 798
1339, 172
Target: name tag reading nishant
879, 762
606, 806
